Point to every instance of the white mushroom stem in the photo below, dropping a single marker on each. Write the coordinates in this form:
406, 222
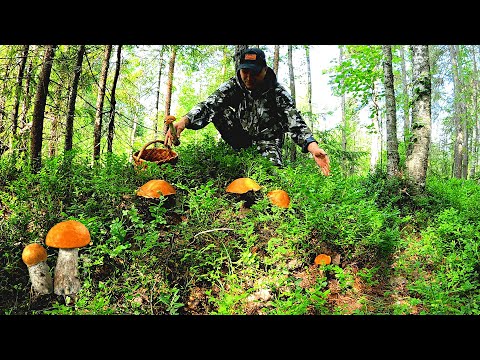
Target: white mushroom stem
66, 281
40, 277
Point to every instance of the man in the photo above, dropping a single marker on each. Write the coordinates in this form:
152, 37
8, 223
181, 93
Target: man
253, 109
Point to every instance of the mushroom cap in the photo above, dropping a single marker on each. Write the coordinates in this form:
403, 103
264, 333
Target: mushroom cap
68, 234
33, 254
242, 185
153, 189
323, 259
279, 197
170, 119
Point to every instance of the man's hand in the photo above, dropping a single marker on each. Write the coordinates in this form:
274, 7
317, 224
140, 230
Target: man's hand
320, 156
179, 126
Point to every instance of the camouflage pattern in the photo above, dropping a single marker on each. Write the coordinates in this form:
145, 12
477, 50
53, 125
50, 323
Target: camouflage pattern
260, 117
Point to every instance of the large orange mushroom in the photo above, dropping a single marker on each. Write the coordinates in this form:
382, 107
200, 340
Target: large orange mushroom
242, 185
35, 257
279, 198
68, 236
156, 188
245, 188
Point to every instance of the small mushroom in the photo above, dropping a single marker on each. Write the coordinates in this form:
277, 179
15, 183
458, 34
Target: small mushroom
323, 259
279, 198
35, 257
245, 189
68, 236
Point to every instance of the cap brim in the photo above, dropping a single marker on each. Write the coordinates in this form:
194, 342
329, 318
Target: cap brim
252, 67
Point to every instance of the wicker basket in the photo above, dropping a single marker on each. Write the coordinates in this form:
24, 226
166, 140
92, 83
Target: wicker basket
157, 155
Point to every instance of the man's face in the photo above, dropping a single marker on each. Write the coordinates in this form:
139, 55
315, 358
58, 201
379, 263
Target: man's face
252, 81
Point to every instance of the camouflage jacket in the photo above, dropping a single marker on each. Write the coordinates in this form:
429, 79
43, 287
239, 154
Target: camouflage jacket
266, 113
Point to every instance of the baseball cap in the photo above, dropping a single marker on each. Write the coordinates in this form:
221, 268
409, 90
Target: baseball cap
252, 59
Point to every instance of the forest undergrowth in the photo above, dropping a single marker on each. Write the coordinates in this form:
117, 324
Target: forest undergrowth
203, 251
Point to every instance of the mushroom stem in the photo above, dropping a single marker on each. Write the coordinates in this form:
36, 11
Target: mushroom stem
66, 280
40, 277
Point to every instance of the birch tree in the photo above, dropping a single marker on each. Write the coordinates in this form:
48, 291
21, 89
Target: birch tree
419, 145
111, 123
171, 70
157, 99
406, 97
390, 109
344, 115
102, 84
476, 135
460, 154
309, 85
291, 76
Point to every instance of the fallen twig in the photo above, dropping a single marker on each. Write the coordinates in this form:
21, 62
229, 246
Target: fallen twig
210, 230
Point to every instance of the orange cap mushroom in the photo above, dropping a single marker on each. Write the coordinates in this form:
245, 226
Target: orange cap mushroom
35, 257
68, 234
323, 259
242, 185
169, 119
153, 189
279, 197
33, 254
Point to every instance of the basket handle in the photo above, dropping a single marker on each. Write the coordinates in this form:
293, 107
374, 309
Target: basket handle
137, 158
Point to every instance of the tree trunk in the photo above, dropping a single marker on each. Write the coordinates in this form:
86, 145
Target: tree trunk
111, 124
18, 89
132, 134
344, 116
55, 114
26, 95
309, 85
391, 117
291, 75
376, 145
406, 103
23, 135
291, 144
97, 133
73, 98
419, 146
460, 136
157, 103
276, 59
39, 109
476, 136
464, 119
168, 94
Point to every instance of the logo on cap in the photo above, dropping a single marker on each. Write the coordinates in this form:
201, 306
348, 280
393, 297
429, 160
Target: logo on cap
250, 56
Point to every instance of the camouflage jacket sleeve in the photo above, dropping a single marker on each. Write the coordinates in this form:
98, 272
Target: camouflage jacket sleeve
201, 114
299, 131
